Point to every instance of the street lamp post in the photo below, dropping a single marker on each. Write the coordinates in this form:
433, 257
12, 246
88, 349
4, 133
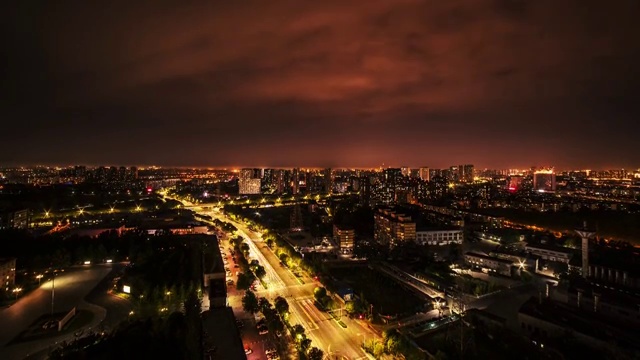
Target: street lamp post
39, 277
17, 291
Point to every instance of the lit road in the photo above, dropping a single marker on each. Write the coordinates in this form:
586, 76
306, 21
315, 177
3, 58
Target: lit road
324, 332
71, 287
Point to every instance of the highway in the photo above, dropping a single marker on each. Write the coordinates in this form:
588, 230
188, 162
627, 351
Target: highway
324, 332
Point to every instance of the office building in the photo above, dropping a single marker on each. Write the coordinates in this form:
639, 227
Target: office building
393, 228
344, 238
544, 181
405, 171
7, 273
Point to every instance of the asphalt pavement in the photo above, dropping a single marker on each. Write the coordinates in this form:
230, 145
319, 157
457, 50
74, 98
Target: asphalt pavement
71, 286
324, 332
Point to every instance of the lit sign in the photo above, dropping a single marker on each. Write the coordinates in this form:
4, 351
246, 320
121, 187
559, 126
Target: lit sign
126, 289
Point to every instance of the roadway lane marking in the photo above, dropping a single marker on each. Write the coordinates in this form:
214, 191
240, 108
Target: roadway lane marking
309, 304
312, 324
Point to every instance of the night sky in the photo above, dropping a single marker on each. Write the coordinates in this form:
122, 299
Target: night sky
349, 83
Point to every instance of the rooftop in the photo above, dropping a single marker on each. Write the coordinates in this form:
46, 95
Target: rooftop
220, 323
587, 323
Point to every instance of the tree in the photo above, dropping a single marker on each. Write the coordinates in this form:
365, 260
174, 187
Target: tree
281, 304
315, 354
244, 247
284, 258
264, 305
305, 344
244, 281
250, 302
319, 294
260, 272
297, 330
275, 324
269, 242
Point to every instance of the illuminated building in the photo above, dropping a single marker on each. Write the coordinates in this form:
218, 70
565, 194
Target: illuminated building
515, 182
393, 228
406, 171
544, 180
439, 236
295, 181
465, 173
344, 238
425, 175
247, 183
18, 219
488, 263
7, 273
328, 181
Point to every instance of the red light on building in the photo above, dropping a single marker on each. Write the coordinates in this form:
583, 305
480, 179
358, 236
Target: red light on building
149, 189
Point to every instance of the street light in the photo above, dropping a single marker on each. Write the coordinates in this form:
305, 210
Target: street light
17, 291
39, 277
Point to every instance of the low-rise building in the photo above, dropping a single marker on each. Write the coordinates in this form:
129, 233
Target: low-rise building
7, 273
550, 253
344, 238
488, 263
439, 236
544, 320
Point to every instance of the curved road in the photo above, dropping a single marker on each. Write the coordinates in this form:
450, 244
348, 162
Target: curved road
71, 288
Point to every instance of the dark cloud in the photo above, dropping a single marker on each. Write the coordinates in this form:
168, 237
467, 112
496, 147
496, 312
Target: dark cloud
500, 83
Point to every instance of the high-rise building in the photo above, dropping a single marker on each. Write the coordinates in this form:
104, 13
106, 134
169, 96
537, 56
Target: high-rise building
365, 190
133, 173
544, 180
280, 181
295, 181
405, 171
328, 181
465, 173
248, 183
296, 221
344, 238
392, 181
425, 174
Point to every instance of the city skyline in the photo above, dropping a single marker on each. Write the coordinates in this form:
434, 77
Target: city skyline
504, 83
